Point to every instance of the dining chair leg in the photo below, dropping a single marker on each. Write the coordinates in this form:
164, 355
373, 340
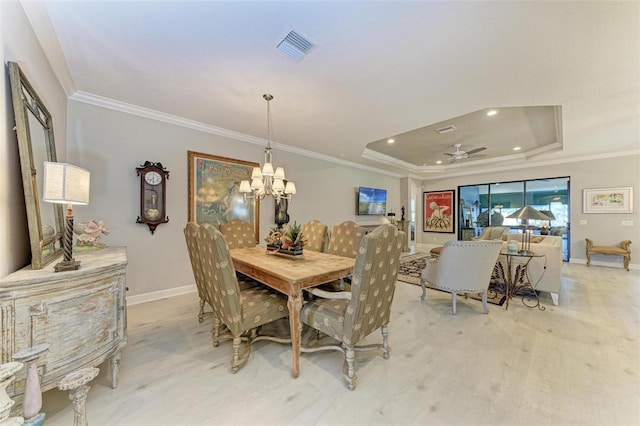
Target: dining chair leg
453, 296
235, 363
385, 341
350, 355
215, 331
424, 290
484, 302
201, 312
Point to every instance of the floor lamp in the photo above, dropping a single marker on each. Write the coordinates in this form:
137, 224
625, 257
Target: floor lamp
66, 184
525, 214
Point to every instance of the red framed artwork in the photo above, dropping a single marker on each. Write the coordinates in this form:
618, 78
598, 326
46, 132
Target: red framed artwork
439, 211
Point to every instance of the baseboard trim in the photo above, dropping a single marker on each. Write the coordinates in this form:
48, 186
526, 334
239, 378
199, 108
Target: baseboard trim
162, 294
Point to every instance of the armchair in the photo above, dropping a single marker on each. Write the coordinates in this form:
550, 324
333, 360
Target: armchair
315, 236
493, 233
238, 234
462, 267
241, 309
349, 317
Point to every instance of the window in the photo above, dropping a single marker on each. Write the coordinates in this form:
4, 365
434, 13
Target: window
490, 205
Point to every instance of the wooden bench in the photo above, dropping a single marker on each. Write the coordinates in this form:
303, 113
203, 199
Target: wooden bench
623, 250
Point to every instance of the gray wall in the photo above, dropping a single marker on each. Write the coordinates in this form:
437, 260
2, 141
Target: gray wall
19, 45
598, 173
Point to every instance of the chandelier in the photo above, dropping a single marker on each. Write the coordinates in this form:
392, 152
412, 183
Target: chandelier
267, 181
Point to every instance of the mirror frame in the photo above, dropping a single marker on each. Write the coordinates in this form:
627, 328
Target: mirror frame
44, 249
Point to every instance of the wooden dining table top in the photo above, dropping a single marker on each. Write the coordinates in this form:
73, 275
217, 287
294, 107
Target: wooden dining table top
291, 274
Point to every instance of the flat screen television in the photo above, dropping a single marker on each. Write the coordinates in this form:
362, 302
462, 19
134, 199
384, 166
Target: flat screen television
371, 201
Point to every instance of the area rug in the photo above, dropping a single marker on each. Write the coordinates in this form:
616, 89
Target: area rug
411, 267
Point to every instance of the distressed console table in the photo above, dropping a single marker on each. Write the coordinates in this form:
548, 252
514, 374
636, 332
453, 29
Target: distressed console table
80, 314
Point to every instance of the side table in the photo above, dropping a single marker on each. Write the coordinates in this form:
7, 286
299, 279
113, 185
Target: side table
518, 282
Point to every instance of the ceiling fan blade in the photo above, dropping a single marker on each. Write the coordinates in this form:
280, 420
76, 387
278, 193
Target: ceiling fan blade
450, 155
473, 151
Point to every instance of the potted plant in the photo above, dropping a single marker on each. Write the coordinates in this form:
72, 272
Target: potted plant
288, 240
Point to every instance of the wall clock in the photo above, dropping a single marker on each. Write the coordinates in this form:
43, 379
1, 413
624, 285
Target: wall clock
153, 192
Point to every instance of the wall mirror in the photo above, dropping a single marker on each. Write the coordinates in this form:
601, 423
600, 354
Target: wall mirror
36, 145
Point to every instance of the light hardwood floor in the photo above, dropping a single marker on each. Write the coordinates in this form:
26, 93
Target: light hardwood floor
574, 364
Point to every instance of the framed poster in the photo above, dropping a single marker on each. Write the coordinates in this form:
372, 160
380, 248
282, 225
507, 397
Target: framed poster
214, 191
608, 200
439, 211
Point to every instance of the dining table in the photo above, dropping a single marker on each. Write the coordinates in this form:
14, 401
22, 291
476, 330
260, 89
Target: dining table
290, 275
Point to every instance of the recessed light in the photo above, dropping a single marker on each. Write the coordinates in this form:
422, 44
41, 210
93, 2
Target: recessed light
439, 162
492, 112
391, 140
517, 148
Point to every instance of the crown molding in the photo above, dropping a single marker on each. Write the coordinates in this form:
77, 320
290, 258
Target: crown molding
532, 164
127, 108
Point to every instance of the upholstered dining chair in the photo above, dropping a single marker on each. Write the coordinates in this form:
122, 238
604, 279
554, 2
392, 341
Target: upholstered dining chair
315, 235
345, 239
190, 232
462, 267
493, 233
238, 234
349, 317
243, 310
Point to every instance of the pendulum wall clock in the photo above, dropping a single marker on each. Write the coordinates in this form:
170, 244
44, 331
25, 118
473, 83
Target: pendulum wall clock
153, 194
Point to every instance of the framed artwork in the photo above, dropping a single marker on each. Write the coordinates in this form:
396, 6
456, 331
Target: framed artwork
608, 200
214, 191
439, 211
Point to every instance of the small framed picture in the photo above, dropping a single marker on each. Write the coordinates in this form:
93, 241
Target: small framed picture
608, 200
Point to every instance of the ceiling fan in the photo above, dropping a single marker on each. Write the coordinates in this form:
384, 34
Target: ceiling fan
461, 155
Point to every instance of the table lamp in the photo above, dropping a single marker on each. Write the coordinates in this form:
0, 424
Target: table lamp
525, 214
392, 218
546, 226
66, 184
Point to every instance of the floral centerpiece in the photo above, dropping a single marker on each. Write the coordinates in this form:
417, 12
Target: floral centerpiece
287, 240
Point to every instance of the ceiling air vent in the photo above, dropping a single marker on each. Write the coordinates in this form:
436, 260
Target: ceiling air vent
295, 46
447, 129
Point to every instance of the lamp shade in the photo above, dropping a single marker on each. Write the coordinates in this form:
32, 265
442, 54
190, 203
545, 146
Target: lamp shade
256, 173
548, 214
279, 174
290, 188
65, 184
245, 187
278, 185
527, 213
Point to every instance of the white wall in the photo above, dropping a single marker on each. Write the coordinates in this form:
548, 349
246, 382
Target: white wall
19, 45
598, 173
111, 144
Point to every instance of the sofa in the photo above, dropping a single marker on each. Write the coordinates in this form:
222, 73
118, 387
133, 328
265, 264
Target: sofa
549, 279
493, 233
